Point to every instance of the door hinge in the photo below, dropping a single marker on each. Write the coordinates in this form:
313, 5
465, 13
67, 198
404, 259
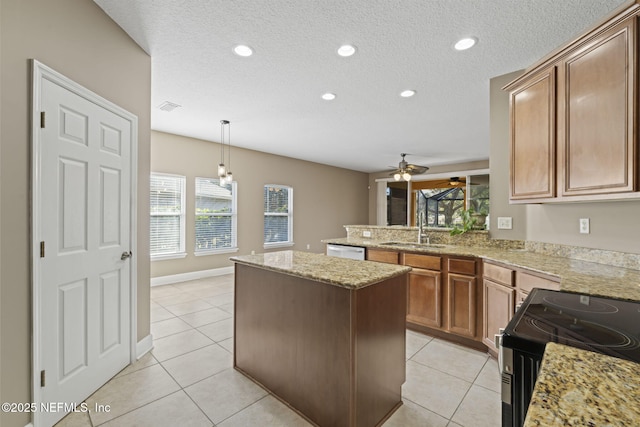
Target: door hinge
42, 249
42, 378
42, 119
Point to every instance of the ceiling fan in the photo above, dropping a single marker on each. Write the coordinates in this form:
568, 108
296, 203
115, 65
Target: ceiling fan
454, 181
407, 170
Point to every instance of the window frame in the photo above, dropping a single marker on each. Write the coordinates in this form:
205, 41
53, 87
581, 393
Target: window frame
233, 215
289, 215
181, 253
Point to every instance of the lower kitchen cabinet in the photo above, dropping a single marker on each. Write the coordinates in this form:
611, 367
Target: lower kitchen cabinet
504, 290
461, 301
425, 298
444, 296
498, 309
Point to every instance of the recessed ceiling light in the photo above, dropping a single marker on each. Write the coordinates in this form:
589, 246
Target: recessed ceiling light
243, 50
329, 96
466, 43
407, 93
346, 50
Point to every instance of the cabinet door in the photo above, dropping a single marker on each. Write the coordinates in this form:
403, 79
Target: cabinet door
533, 137
597, 117
461, 292
425, 298
498, 310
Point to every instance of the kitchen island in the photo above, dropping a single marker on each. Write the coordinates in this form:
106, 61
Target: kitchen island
325, 335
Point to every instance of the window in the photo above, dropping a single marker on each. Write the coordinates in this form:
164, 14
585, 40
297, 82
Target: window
167, 216
216, 228
278, 216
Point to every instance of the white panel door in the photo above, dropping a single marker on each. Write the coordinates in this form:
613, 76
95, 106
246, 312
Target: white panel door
84, 222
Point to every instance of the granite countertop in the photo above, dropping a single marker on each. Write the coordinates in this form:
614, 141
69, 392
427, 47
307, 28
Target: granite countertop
343, 272
581, 388
575, 276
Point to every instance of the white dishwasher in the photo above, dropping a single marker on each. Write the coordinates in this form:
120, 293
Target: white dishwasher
342, 251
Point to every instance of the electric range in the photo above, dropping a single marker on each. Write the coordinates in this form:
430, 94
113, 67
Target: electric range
603, 325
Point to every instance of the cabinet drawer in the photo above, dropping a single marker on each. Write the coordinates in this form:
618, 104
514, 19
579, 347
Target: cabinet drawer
525, 282
498, 274
389, 257
429, 262
462, 266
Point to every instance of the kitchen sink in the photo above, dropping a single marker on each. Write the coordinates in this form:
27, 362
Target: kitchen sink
413, 245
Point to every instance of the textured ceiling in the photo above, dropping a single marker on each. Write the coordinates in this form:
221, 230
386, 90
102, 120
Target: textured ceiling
273, 97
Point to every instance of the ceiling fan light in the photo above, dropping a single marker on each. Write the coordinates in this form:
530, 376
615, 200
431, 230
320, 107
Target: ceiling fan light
396, 176
406, 176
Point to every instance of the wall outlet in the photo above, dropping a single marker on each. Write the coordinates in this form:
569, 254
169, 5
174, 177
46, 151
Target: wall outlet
504, 223
366, 233
253, 252
308, 246
584, 225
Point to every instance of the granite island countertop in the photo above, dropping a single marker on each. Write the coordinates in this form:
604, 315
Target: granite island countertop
580, 388
575, 275
343, 272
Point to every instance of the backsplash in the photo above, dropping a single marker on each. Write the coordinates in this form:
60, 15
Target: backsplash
481, 238
601, 256
438, 236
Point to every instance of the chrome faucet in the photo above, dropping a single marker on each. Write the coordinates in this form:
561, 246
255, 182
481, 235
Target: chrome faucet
420, 235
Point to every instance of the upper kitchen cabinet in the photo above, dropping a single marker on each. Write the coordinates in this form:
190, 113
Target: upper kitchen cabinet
533, 137
573, 119
596, 133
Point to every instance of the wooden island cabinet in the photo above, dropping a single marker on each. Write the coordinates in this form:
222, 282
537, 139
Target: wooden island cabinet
325, 335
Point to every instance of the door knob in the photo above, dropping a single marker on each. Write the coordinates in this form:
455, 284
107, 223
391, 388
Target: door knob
126, 255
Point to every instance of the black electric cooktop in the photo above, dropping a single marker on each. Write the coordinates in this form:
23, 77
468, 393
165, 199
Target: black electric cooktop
604, 325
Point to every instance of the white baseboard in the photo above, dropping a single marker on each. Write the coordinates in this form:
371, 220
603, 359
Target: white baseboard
144, 346
192, 275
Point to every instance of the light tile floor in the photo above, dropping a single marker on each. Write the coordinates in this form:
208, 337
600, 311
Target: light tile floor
188, 378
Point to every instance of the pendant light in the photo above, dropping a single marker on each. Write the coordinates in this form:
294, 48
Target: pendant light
224, 173
229, 174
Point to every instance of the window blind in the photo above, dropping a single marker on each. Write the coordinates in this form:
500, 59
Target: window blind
167, 214
278, 215
215, 224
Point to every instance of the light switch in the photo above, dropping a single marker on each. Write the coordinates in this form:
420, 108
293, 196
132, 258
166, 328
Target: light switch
504, 223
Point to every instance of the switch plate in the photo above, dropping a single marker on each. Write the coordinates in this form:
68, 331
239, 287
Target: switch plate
504, 223
366, 233
584, 225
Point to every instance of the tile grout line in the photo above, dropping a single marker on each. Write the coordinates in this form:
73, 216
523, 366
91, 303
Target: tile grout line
467, 392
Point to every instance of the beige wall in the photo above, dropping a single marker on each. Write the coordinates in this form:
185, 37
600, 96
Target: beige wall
614, 225
457, 167
78, 40
325, 198
499, 146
